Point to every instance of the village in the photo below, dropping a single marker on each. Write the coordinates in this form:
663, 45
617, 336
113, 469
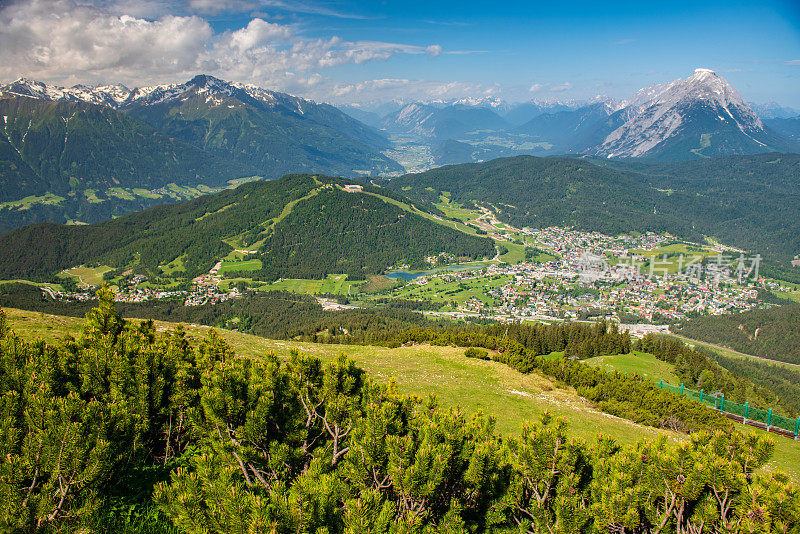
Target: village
647, 280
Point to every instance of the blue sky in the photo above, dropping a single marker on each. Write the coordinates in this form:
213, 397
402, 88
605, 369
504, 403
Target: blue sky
351, 51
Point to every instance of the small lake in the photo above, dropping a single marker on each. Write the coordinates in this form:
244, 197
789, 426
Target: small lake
404, 275
407, 276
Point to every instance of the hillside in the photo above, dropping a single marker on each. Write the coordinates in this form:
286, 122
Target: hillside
298, 225
789, 127
272, 132
86, 154
541, 192
772, 333
58, 147
721, 197
84, 162
573, 130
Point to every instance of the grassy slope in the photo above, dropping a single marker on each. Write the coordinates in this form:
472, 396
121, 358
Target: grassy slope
640, 363
496, 389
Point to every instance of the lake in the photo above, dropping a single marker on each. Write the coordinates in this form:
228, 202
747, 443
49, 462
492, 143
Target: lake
407, 276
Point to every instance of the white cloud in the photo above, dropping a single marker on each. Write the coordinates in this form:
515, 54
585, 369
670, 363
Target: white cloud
214, 7
258, 32
68, 42
60, 39
402, 89
550, 87
434, 50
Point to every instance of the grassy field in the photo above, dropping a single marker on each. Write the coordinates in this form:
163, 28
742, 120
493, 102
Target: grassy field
27, 202
456, 210
673, 263
645, 365
243, 265
437, 290
88, 275
91, 196
472, 384
515, 254
334, 283
377, 283
121, 192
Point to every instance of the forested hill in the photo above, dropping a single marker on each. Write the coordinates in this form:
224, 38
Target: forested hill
749, 201
772, 333
540, 192
298, 226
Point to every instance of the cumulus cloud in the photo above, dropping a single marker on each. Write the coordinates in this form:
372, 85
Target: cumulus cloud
68, 42
258, 32
59, 39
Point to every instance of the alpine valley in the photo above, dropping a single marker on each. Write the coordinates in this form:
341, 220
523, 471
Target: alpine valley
686, 119
225, 309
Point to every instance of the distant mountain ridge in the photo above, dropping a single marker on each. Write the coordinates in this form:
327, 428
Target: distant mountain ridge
208, 92
697, 117
701, 115
448, 122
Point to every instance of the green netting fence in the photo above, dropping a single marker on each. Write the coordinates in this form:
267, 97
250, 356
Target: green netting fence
743, 410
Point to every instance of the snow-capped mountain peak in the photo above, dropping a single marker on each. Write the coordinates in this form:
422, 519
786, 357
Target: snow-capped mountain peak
657, 113
611, 104
117, 96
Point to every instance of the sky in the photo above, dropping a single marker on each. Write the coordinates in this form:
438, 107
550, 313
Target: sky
359, 51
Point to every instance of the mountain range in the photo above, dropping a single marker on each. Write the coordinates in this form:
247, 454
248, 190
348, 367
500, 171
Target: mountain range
89, 153
270, 132
84, 154
697, 117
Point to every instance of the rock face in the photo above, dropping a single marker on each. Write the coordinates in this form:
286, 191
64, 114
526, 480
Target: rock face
702, 115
